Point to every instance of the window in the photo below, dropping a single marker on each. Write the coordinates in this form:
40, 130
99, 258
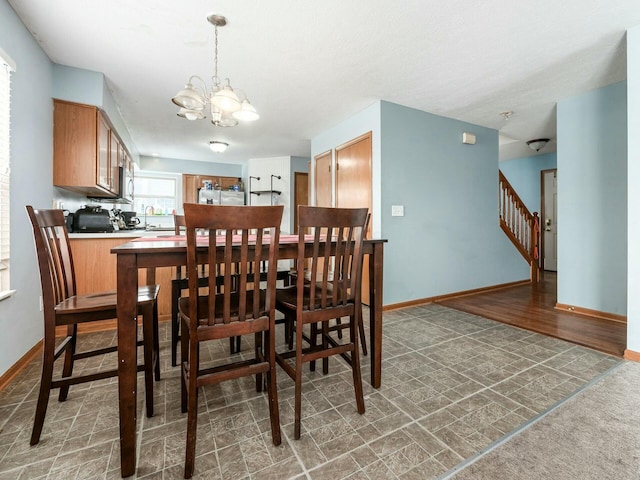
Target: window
6, 68
156, 193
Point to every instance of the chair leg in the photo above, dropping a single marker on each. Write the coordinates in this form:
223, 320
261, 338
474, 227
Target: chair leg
148, 344
45, 390
258, 353
235, 344
298, 383
313, 336
355, 364
175, 322
325, 345
363, 337
339, 322
156, 341
67, 369
289, 329
192, 412
272, 390
184, 352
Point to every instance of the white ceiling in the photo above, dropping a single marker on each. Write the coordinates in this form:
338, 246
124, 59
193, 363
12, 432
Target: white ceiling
307, 65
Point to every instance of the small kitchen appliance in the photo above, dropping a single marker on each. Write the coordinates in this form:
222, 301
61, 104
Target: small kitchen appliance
92, 219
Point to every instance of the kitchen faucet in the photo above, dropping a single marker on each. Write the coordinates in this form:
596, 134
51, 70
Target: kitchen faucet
145, 214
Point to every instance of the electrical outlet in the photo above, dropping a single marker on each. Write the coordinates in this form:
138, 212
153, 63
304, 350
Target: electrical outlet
41, 304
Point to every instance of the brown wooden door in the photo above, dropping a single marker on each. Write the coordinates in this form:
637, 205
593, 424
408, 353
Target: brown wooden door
353, 185
300, 195
322, 179
353, 173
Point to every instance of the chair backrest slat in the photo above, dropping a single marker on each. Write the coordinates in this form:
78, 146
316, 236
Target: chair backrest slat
335, 265
233, 252
55, 261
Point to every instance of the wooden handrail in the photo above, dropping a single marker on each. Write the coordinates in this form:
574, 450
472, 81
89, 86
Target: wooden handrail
519, 224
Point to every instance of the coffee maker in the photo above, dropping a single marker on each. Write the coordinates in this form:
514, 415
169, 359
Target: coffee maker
130, 220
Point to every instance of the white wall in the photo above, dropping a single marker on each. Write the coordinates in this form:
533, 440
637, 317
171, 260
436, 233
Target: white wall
265, 168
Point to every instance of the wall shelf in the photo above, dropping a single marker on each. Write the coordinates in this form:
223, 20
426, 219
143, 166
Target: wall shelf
264, 192
260, 192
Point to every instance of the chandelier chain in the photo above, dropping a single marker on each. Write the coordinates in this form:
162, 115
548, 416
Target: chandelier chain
216, 79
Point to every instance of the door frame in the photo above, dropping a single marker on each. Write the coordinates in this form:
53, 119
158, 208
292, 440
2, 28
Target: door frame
542, 214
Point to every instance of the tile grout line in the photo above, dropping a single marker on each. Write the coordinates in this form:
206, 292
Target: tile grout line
474, 458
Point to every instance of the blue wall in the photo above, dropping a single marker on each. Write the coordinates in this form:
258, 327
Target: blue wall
88, 87
592, 200
31, 182
449, 239
524, 176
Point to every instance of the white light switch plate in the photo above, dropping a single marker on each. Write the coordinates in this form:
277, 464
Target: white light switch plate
397, 210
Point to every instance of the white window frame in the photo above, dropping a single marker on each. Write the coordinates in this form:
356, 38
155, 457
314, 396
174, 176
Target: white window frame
152, 218
7, 67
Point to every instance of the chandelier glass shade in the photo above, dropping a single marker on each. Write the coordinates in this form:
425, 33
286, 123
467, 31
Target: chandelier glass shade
225, 107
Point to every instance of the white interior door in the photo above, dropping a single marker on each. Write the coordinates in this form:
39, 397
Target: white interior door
549, 225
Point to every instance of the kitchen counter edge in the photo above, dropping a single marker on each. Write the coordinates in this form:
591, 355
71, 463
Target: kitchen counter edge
119, 234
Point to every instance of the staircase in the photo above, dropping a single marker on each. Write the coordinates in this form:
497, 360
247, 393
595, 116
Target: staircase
520, 225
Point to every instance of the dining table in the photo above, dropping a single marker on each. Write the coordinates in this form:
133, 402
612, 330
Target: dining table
152, 252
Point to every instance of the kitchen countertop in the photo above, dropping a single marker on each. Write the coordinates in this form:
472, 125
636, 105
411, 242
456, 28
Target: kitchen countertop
123, 234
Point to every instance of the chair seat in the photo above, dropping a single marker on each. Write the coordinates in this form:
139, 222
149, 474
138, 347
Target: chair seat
183, 306
103, 301
288, 298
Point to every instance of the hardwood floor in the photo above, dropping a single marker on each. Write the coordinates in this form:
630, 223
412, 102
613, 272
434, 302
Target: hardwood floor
532, 308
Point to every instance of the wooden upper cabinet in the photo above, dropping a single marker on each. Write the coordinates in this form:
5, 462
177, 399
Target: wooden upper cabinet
83, 141
103, 171
126, 190
192, 183
115, 162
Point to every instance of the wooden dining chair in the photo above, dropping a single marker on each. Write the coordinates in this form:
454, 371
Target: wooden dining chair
237, 307
338, 326
64, 307
332, 291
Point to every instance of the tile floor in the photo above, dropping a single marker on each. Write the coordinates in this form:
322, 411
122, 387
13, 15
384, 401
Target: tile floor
452, 384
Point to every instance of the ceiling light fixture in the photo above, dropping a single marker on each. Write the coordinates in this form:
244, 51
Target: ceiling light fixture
217, 146
225, 105
537, 144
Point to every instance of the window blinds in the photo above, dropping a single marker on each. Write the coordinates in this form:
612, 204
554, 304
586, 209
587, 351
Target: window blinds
6, 67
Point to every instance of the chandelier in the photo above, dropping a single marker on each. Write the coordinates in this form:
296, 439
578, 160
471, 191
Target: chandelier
224, 104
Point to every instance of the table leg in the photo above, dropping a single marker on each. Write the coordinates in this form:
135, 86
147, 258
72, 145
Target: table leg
375, 313
127, 360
